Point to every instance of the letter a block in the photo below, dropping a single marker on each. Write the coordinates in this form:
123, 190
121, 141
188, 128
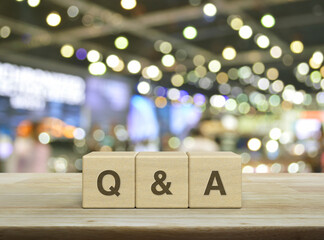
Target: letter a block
108, 180
161, 180
215, 180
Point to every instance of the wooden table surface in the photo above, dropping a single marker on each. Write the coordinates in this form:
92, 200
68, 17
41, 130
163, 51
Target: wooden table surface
48, 206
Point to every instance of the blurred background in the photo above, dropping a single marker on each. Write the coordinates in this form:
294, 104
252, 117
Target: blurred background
173, 75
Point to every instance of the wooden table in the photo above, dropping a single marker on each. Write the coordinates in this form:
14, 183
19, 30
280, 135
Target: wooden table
48, 206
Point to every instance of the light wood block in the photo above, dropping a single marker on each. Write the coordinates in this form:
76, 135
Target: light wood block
175, 167
215, 180
101, 187
48, 206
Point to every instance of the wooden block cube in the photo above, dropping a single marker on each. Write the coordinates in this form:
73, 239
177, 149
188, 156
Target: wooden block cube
161, 180
215, 180
108, 180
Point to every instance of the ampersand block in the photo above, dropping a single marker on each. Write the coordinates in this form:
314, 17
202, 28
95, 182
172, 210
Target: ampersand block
108, 180
215, 180
162, 180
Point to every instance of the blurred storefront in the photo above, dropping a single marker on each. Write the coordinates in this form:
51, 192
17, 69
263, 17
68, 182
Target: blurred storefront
212, 81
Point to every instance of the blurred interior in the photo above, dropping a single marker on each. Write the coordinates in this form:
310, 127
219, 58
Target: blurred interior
176, 75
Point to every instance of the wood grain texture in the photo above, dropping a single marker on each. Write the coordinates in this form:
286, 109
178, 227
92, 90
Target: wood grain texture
175, 167
274, 206
221, 170
123, 166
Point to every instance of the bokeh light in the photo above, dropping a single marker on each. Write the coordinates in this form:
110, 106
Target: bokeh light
190, 32
112, 61
143, 87
67, 51
93, 56
275, 52
33, 3
53, 19
210, 9
5, 32
245, 32
128, 4
297, 47
97, 68
73, 11
229, 53
168, 60
262, 41
134, 66
254, 144
268, 21
121, 42
235, 22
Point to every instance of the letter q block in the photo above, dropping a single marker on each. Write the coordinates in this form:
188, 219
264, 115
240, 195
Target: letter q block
108, 180
162, 180
215, 180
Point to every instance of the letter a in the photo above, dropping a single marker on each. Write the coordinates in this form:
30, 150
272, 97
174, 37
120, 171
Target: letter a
220, 187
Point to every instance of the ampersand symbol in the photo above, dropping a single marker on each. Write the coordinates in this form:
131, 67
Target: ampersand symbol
159, 181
